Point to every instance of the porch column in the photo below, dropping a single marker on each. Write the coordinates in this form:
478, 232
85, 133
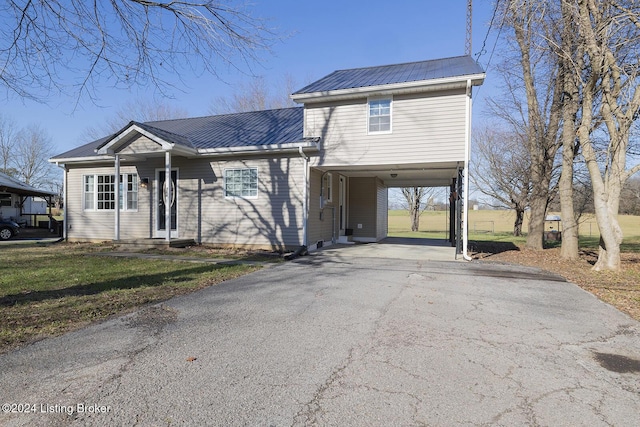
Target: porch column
116, 214
168, 195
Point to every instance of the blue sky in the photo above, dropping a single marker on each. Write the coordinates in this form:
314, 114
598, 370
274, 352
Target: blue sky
324, 36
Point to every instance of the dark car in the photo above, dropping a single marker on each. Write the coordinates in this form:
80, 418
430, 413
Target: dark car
8, 229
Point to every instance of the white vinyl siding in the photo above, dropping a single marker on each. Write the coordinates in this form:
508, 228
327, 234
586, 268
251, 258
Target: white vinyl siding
98, 225
426, 129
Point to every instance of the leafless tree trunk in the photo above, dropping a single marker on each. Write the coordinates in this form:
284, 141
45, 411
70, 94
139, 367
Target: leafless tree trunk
502, 170
71, 46
610, 32
571, 63
415, 198
543, 118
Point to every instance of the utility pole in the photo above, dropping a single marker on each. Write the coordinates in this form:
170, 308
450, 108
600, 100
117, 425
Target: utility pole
468, 41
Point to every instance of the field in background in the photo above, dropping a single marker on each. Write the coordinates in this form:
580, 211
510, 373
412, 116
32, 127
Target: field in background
495, 223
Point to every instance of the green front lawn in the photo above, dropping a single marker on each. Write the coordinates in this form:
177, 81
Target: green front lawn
49, 290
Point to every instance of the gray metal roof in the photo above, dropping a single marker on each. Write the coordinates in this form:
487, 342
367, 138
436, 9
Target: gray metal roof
253, 128
396, 73
256, 128
11, 185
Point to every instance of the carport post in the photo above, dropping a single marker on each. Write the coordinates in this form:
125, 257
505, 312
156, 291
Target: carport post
467, 156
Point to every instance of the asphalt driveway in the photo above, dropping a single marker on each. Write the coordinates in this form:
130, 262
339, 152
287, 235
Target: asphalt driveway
335, 340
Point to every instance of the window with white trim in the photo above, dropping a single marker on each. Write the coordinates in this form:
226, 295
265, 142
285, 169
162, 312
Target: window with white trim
327, 190
100, 192
129, 191
241, 182
379, 115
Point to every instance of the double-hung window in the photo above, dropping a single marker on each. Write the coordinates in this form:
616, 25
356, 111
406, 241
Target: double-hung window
379, 115
99, 192
241, 182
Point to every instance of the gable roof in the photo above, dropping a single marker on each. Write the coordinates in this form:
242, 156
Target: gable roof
455, 68
206, 134
11, 185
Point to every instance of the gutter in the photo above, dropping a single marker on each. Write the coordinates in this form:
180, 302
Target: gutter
389, 89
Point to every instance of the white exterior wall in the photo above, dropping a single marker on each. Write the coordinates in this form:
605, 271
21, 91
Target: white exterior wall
425, 128
273, 219
99, 225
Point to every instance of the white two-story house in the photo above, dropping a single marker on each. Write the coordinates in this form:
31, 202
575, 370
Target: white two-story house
310, 175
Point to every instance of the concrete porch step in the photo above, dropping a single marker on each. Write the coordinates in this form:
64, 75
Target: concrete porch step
345, 240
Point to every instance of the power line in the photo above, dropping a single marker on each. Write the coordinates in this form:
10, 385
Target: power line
486, 37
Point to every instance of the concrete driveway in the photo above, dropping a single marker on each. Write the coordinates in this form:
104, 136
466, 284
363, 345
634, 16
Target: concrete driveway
335, 340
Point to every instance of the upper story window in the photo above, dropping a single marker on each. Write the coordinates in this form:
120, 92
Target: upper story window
241, 182
100, 192
379, 115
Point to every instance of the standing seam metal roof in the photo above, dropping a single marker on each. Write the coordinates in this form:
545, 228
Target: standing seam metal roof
396, 73
255, 128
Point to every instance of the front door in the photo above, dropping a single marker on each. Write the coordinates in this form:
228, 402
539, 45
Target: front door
162, 202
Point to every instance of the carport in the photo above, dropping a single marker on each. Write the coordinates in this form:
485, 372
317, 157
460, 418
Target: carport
12, 207
357, 199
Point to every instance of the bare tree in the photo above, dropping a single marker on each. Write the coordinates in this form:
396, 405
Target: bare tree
416, 201
33, 149
503, 170
140, 110
569, 52
539, 118
630, 198
58, 46
7, 144
256, 95
610, 33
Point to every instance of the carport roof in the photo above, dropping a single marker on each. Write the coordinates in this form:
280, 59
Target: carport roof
11, 185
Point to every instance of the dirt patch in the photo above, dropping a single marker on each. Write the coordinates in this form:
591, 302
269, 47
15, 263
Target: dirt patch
620, 289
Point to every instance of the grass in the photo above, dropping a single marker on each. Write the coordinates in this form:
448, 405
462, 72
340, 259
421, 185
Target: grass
49, 290
492, 225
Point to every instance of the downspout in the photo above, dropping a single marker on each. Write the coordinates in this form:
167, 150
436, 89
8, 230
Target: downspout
305, 213
467, 157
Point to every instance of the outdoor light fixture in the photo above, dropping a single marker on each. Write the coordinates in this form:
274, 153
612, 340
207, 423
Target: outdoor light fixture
144, 182
393, 175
